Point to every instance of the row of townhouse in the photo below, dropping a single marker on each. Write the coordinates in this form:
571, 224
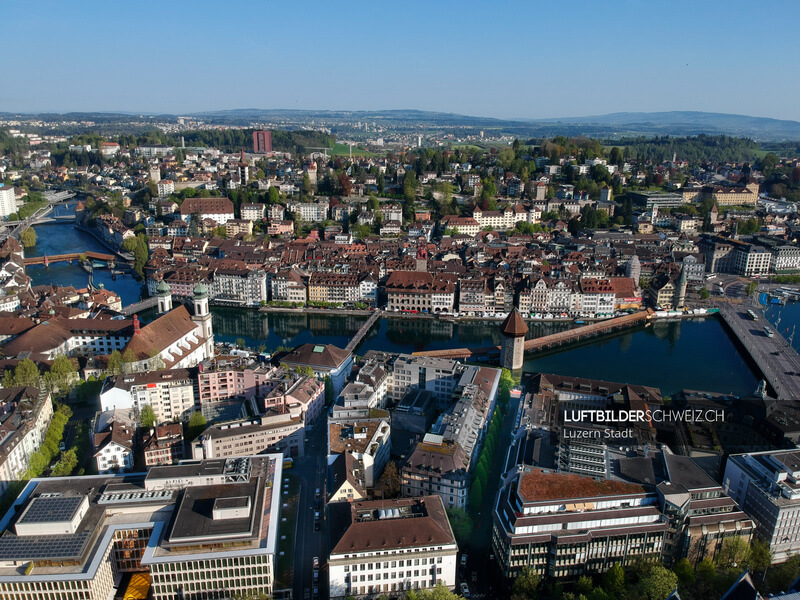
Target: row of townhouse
409, 291
25, 414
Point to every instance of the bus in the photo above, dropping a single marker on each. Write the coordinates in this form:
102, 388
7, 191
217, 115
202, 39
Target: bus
768, 332
753, 316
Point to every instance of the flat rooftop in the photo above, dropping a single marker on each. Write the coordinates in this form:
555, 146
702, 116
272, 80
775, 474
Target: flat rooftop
538, 485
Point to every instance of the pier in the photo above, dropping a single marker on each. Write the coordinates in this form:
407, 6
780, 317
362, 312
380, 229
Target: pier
549, 342
356, 340
775, 357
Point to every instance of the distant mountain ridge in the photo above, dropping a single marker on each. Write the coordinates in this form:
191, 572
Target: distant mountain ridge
610, 126
681, 122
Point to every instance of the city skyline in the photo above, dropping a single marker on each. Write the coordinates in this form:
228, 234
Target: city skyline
592, 61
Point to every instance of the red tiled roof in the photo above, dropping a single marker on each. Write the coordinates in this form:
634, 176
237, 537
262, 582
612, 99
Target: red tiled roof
514, 325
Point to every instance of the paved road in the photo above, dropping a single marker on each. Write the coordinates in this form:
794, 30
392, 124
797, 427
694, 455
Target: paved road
775, 357
311, 470
482, 574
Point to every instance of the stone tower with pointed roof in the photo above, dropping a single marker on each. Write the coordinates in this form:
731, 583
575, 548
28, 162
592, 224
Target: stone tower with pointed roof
513, 346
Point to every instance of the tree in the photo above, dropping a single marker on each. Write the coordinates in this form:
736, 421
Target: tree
273, 195
704, 294
733, 553
197, 425
476, 496
526, 585
240, 343
8, 378
26, 373
438, 593
140, 255
462, 525
62, 372
584, 585
128, 358
28, 237
307, 187
656, 583
410, 186
344, 183
488, 193
114, 365
750, 288
614, 579
129, 244
781, 576
685, 573
759, 557
147, 418
389, 481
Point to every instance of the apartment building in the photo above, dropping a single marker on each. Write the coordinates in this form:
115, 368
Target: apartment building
390, 546
169, 393
413, 291
700, 514
462, 225
767, 487
163, 445
25, 414
207, 529
310, 211
597, 297
219, 210
235, 283
254, 212
8, 202
785, 256
334, 287
288, 286
112, 441
368, 440
234, 227
273, 431
437, 467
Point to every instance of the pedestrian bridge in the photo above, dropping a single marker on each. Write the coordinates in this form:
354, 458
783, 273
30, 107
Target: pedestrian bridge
549, 342
46, 260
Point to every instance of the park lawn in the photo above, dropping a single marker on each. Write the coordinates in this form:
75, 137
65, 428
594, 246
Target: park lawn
344, 150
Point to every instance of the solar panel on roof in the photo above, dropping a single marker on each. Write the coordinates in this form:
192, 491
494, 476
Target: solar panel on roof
51, 509
42, 547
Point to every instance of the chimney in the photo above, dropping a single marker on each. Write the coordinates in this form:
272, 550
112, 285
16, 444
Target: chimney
135, 324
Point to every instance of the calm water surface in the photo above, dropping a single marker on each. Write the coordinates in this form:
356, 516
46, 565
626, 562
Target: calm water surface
695, 354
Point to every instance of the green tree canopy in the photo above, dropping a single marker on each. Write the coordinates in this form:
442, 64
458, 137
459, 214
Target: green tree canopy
147, 417
26, 373
197, 424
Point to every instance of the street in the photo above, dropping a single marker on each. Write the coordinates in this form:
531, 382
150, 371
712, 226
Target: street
481, 573
311, 471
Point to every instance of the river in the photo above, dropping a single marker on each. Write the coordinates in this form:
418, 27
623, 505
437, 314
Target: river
696, 354
63, 238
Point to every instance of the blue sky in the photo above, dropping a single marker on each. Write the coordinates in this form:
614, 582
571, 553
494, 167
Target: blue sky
501, 59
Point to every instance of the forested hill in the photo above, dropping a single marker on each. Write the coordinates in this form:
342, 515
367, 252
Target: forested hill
702, 148
233, 140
